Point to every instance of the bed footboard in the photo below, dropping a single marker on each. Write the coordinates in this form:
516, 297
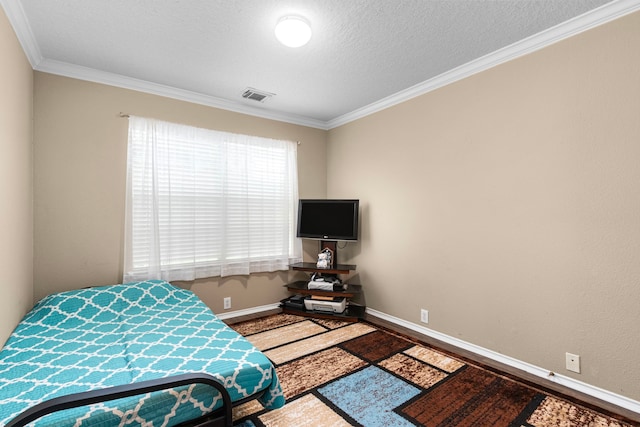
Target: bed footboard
117, 392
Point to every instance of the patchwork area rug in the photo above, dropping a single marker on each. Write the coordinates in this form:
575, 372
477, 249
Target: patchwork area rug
353, 374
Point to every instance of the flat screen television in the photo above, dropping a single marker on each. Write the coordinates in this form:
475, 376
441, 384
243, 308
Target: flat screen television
328, 219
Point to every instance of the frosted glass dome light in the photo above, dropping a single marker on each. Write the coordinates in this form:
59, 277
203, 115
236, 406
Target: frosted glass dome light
293, 31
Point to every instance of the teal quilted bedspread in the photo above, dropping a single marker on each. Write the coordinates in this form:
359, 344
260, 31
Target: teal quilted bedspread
99, 337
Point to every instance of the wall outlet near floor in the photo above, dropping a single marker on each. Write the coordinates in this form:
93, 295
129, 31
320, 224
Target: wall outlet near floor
573, 362
227, 303
424, 316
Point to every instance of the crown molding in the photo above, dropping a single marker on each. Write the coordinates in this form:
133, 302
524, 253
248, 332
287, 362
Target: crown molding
18, 19
594, 18
111, 79
572, 27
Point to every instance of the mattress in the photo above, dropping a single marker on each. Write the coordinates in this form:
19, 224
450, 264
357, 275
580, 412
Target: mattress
106, 336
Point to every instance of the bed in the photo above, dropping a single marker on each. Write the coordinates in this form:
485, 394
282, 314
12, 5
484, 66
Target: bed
143, 353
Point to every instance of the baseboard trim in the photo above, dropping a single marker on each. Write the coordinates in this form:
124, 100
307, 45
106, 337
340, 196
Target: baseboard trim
251, 312
545, 377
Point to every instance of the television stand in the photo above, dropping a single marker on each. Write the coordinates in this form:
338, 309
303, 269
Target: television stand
352, 313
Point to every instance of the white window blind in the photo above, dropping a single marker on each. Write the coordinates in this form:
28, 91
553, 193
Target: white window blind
203, 203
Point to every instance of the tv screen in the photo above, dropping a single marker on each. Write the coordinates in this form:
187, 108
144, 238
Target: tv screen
327, 219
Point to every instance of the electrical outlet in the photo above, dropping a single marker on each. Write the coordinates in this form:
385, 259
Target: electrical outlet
227, 303
424, 316
573, 362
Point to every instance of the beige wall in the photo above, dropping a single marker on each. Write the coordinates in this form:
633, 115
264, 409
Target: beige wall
16, 185
80, 173
508, 205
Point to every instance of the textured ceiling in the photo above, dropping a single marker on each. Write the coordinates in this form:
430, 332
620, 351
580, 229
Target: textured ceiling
361, 51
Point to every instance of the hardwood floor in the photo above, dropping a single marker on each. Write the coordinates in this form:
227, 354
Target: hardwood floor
586, 400
574, 396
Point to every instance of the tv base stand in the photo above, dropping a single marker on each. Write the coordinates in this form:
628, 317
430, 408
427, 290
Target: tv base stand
352, 313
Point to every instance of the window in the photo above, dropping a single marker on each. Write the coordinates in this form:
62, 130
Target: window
203, 203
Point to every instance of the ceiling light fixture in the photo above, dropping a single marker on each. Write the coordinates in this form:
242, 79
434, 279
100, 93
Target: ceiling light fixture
293, 31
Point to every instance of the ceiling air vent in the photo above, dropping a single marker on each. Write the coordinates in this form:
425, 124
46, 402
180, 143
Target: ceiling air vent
256, 95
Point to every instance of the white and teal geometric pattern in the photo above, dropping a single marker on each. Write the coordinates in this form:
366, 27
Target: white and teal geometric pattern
112, 335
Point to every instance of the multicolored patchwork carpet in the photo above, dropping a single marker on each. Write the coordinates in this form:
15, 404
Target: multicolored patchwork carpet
353, 374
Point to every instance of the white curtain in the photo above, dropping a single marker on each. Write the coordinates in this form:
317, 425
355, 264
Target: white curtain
203, 203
